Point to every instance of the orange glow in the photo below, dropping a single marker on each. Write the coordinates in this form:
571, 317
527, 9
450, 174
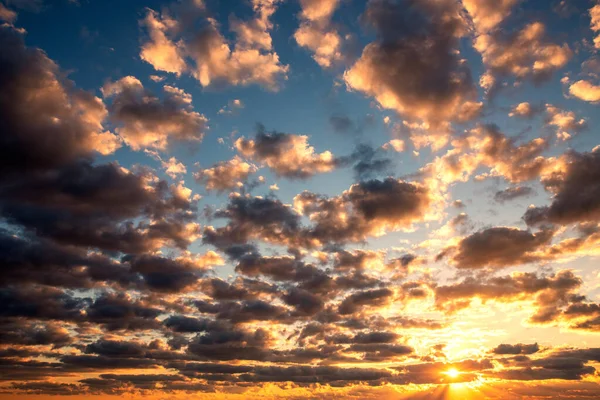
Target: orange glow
452, 373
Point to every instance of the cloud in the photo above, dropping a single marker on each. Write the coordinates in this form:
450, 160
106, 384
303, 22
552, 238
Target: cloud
487, 146
144, 121
247, 63
160, 51
488, 14
7, 14
524, 110
512, 193
595, 23
516, 349
74, 118
566, 122
317, 34
498, 247
575, 191
367, 208
286, 154
191, 41
401, 68
172, 166
371, 298
585, 91
524, 54
547, 293
225, 175
314, 292
95, 205
172, 275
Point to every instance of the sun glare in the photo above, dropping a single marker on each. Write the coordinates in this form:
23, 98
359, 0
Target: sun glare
453, 373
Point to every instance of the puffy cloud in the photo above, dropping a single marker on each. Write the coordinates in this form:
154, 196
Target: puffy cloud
371, 298
160, 51
147, 122
172, 166
255, 32
488, 14
247, 63
554, 298
498, 247
225, 175
395, 144
595, 23
548, 293
575, 188
523, 110
486, 146
191, 34
585, 91
35, 103
286, 154
250, 218
172, 275
95, 205
316, 33
358, 259
523, 54
367, 208
566, 122
402, 68
7, 14
370, 208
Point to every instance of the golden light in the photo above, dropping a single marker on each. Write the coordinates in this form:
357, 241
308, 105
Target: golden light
452, 373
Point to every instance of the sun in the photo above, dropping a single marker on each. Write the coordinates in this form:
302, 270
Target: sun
452, 373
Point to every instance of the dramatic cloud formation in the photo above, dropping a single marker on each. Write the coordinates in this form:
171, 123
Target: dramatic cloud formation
575, 191
147, 122
160, 51
286, 154
251, 60
225, 175
422, 222
317, 34
414, 66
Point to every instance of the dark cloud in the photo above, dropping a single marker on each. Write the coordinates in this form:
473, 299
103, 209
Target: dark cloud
304, 302
73, 118
414, 65
373, 298
516, 349
165, 274
367, 208
120, 312
549, 294
286, 154
144, 121
513, 193
95, 205
576, 190
498, 247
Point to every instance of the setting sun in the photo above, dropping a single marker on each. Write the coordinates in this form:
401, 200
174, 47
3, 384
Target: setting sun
452, 373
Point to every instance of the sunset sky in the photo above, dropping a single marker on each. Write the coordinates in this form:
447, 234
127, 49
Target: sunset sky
291, 199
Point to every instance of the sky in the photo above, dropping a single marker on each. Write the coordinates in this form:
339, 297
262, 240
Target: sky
290, 199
